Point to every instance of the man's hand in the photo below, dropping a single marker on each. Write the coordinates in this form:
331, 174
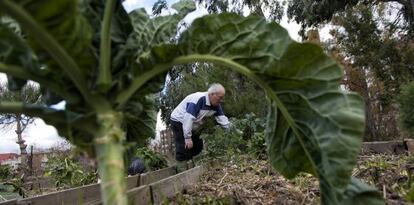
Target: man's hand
188, 143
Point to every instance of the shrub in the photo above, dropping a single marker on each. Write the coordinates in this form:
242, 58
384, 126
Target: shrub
5, 172
67, 172
152, 160
222, 144
406, 115
245, 136
257, 145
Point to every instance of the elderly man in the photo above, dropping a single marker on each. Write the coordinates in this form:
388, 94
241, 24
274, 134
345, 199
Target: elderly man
188, 116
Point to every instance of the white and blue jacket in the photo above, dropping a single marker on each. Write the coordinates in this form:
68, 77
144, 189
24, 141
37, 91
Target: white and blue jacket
191, 111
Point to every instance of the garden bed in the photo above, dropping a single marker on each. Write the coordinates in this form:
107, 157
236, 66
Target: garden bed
249, 181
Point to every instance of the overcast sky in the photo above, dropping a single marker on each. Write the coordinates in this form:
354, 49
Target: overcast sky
42, 136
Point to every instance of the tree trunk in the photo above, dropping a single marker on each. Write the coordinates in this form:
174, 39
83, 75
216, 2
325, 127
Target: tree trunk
20, 142
371, 130
369, 115
109, 150
357, 82
412, 10
30, 160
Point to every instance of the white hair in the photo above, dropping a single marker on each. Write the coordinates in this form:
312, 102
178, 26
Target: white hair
215, 88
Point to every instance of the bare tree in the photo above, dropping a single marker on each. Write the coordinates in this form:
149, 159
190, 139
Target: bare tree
29, 94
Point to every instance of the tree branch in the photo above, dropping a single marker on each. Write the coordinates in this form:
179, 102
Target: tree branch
19, 72
26, 121
50, 115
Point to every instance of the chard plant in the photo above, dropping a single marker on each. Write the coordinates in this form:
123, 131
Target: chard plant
105, 63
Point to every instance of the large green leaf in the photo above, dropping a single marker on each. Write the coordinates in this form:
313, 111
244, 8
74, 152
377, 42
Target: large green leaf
64, 24
152, 31
140, 113
121, 29
140, 116
13, 50
313, 125
60, 23
147, 33
20, 63
358, 193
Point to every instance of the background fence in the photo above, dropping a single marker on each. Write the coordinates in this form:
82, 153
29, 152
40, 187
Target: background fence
166, 145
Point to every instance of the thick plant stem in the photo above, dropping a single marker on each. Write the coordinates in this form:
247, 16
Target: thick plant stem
109, 151
104, 78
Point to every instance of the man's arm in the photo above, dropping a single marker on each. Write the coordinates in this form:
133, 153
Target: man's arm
221, 118
192, 111
188, 125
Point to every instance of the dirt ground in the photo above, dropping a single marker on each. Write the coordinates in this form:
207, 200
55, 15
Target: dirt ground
251, 181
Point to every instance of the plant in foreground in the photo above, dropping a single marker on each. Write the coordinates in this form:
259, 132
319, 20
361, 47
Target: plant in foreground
105, 63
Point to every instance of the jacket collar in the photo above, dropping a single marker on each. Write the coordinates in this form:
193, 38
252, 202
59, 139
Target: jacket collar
207, 99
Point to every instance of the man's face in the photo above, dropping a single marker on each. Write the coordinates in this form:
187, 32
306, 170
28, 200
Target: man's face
216, 98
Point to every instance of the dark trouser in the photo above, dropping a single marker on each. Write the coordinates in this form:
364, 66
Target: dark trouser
182, 154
